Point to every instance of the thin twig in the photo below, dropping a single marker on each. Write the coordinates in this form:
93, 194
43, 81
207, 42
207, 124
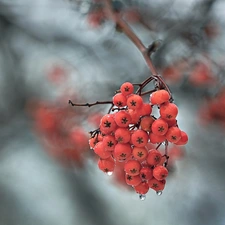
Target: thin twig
166, 154
91, 104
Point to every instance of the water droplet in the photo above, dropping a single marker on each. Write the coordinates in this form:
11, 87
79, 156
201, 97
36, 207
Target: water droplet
142, 197
109, 173
159, 193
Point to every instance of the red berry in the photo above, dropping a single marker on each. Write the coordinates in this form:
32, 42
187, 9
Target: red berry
140, 153
157, 185
154, 157
132, 167
159, 97
106, 165
142, 188
146, 173
122, 151
122, 118
127, 88
134, 101
107, 124
146, 123
119, 100
168, 111
146, 109
139, 138
173, 134
100, 151
94, 140
160, 172
122, 135
159, 127
109, 142
132, 180
183, 140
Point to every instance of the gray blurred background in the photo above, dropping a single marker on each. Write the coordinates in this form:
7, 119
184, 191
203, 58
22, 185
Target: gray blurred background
55, 50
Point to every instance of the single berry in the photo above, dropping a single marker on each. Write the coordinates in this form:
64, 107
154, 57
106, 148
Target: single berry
127, 88
106, 165
132, 180
122, 118
183, 140
139, 138
134, 101
107, 124
157, 185
173, 134
100, 151
159, 127
122, 135
94, 140
119, 100
154, 157
140, 153
160, 172
168, 111
146, 123
159, 97
142, 188
146, 173
132, 167
146, 109
122, 151
109, 142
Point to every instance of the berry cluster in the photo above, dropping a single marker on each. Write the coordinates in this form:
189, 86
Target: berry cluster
213, 109
60, 131
127, 131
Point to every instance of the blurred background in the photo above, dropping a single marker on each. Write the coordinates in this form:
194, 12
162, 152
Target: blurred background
55, 50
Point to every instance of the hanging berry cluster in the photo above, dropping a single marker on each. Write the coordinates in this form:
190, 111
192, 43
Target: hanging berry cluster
129, 128
125, 132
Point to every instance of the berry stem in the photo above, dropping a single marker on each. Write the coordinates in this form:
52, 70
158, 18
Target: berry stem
166, 154
94, 132
158, 146
147, 92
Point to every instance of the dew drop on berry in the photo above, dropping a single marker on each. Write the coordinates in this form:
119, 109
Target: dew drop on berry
142, 197
159, 193
109, 173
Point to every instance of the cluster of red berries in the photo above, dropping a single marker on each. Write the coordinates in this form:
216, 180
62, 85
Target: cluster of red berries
213, 110
60, 131
124, 137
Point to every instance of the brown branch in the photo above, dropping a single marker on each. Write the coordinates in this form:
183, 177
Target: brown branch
131, 35
147, 92
146, 52
91, 104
